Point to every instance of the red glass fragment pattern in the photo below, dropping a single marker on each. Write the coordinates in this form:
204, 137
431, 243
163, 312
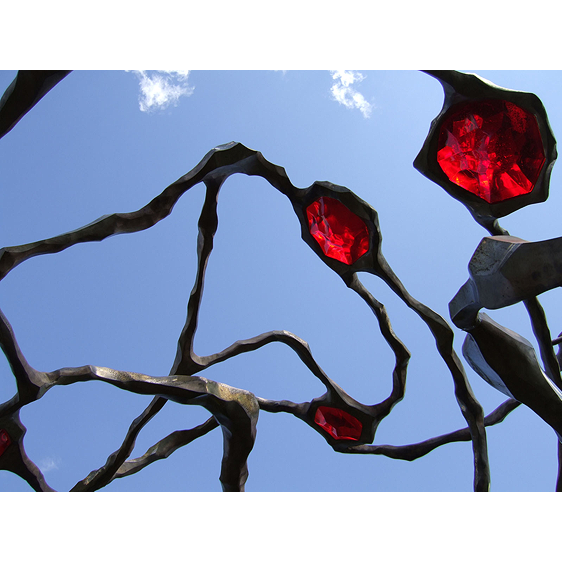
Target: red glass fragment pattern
492, 148
341, 234
4, 441
339, 424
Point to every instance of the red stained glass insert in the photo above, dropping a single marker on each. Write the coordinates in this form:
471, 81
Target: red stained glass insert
492, 148
4, 441
342, 235
339, 424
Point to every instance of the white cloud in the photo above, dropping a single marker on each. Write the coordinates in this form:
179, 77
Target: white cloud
48, 463
159, 89
344, 93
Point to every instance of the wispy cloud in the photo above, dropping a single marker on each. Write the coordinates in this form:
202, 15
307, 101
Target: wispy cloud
159, 89
48, 463
344, 93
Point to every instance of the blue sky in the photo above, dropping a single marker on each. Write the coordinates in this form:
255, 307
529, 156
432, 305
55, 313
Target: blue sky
105, 142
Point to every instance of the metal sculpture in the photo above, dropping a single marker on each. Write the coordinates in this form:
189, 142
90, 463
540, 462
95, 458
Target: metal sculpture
343, 231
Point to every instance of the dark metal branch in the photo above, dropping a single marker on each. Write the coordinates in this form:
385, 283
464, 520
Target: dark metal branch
417, 450
277, 406
239, 429
236, 410
27, 89
226, 156
298, 345
186, 361
400, 350
30, 383
544, 339
469, 405
14, 458
165, 447
99, 478
29, 471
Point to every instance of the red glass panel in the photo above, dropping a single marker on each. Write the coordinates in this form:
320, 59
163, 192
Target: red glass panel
342, 235
339, 424
4, 441
492, 148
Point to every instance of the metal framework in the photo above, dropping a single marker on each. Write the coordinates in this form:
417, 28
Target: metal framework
504, 270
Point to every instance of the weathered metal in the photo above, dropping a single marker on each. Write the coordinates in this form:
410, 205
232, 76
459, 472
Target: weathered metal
503, 271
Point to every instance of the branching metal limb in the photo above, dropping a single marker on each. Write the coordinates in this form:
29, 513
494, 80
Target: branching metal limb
469, 405
165, 447
298, 345
186, 361
417, 450
236, 410
13, 457
226, 156
400, 350
99, 478
31, 384
544, 339
33, 476
28, 87
277, 406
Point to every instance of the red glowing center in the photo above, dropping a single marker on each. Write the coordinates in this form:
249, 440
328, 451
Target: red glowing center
341, 234
339, 424
492, 148
4, 441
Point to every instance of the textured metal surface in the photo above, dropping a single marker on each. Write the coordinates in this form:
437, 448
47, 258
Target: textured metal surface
508, 362
237, 422
504, 270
